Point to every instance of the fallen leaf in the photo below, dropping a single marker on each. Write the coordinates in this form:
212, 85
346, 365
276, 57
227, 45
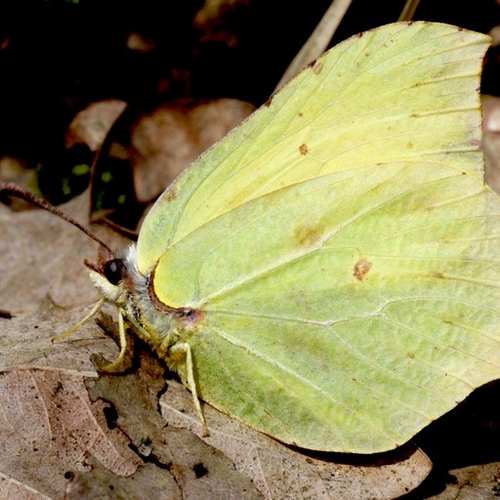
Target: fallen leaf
48, 426
91, 125
280, 471
43, 255
147, 482
476, 482
491, 140
199, 470
167, 140
25, 341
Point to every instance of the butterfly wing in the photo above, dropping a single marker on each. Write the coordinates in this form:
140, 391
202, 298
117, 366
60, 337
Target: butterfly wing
345, 313
342, 248
391, 94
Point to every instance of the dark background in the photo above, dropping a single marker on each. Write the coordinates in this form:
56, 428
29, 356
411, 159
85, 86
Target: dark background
56, 57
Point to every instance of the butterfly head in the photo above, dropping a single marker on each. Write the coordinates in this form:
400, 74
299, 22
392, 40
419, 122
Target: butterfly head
116, 276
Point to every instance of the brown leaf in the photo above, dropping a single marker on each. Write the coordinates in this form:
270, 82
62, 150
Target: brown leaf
43, 255
91, 125
48, 426
25, 341
200, 470
146, 483
171, 137
476, 482
491, 140
279, 471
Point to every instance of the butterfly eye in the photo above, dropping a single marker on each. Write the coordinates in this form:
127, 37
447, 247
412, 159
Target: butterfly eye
114, 270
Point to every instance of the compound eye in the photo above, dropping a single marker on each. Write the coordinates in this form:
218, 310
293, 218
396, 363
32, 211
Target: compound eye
114, 270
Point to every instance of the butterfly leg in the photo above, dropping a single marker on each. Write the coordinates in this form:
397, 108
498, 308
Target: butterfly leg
74, 328
184, 350
116, 365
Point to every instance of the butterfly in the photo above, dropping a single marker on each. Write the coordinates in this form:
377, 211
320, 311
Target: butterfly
328, 273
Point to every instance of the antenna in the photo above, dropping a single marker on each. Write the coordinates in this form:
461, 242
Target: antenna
9, 190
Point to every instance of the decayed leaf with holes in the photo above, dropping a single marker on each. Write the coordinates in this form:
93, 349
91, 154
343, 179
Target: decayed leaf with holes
48, 427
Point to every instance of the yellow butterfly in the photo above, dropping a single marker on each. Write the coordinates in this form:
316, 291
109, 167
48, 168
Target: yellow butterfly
329, 272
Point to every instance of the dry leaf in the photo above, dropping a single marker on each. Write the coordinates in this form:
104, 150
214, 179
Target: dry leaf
148, 482
14, 170
491, 140
200, 470
476, 482
167, 140
495, 35
91, 125
48, 426
25, 341
43, 255
279, 471
47, 413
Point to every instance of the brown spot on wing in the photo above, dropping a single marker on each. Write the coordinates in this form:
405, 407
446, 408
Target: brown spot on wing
303, 149
309, 235
361, 269
170, 194
438, 275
